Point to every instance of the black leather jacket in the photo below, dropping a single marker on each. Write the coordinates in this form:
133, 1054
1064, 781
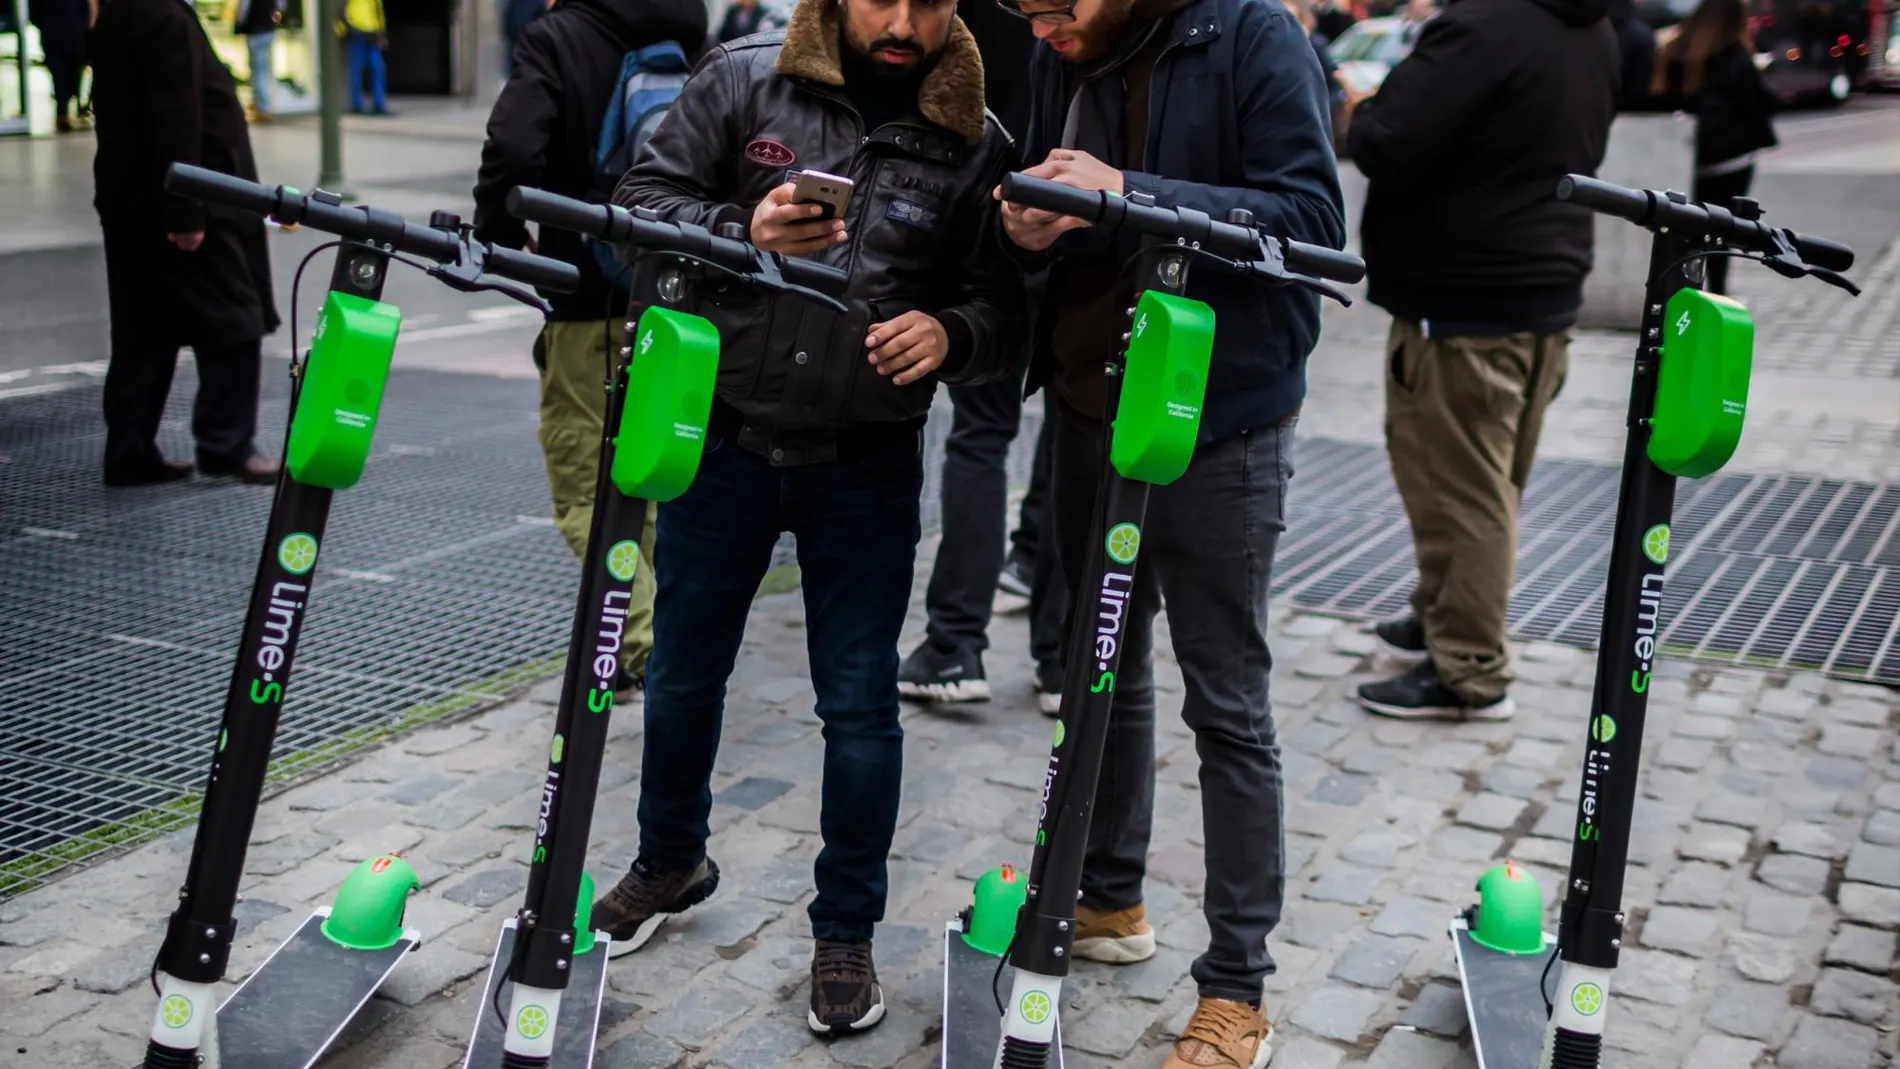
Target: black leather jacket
923, 229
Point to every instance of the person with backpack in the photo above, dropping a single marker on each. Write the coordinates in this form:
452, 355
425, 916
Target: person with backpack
817, 427
580, 65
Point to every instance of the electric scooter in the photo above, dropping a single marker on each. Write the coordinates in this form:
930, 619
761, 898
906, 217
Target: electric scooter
1687, 403
287, 1012
1155, 389
550, 965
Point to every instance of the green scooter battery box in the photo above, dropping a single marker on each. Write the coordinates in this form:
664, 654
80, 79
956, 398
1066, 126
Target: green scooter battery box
1702, 391
668, 400
1159, 415
342, 391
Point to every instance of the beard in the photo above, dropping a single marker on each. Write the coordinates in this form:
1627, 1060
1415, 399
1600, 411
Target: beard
864, 56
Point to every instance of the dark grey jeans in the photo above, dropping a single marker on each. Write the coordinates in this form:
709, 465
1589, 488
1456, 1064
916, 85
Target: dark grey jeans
1207, 550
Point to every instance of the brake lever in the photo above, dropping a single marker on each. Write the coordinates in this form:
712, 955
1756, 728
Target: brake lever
765, 273
465, 275
1786, 261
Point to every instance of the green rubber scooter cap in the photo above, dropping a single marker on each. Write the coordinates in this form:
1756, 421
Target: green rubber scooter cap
1000, 893
369, 906
1510, 914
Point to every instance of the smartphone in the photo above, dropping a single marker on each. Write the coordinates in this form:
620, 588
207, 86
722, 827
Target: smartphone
828, 190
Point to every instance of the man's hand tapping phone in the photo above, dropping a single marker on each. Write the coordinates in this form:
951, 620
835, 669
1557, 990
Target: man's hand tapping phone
804, 216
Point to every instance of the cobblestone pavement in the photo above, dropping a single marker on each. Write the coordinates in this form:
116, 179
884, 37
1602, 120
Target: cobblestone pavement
1764, 893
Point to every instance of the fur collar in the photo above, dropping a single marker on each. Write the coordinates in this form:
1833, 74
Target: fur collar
951, 95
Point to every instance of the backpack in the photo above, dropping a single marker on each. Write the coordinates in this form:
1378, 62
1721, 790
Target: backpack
650, 80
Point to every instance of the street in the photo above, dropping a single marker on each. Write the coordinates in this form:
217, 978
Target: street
1764, 889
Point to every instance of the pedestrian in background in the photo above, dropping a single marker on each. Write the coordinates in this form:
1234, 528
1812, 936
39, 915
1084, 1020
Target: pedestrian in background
257, 22
948, 665
63, 26
1482, 269
542, 134
363, 30
177, 272
1707, 69
743, 19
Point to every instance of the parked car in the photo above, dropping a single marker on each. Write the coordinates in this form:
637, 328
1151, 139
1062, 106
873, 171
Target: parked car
1368, 51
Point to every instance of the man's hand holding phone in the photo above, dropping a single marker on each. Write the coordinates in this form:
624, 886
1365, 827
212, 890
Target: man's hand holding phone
782, 226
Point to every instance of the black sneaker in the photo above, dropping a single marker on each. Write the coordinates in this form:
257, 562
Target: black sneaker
1049, 687
1015, 578
632, 911
845, 994
929, 675
629, 687
1402, 640
1420, 694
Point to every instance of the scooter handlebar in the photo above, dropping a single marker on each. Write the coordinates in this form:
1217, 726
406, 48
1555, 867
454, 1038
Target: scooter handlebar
541, 272
612, 223
1322, 262
1654, 210
1232, 240
198, 183
364, 223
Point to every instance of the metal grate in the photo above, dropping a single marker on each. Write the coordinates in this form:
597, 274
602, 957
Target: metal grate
122, 608
1770, 571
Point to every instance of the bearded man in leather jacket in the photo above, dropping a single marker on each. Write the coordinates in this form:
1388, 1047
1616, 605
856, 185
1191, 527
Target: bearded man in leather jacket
817, 425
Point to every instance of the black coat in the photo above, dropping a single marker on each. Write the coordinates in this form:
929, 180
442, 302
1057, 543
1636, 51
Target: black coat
161, 96
545, 125
1732, 106
923, 228
1006, 43
1464, 146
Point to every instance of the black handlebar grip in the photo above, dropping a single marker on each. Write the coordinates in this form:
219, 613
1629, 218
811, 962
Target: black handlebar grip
1605, 197
1050, 196
1322, 262
563, 213
198, 183
814, 276
1820, 252
538, 271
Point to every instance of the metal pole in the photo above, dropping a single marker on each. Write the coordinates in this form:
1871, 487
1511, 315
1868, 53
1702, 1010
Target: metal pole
329, 95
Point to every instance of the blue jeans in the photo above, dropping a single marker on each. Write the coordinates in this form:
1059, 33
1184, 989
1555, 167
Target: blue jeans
364, 52
261, 70
857, 525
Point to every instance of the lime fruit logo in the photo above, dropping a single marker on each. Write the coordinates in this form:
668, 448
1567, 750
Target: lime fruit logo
297, 553
554, 755
623, 560
531, 1022
1061, 732
1035, 1007
1656, 543
1604, 729
1587, 999
1124, 541
175, 1011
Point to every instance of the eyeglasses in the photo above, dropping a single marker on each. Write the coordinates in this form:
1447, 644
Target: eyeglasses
1040, 11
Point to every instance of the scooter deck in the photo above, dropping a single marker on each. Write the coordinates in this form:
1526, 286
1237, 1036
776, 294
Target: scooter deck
1503, 999
576, 1030
288, 1012
971, 1023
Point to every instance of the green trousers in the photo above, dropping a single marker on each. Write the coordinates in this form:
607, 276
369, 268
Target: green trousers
572, 359
1462, 419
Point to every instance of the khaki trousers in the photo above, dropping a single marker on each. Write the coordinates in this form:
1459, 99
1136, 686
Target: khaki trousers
1462, 417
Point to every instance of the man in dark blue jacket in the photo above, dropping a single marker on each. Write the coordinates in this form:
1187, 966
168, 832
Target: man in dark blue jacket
1211, 105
